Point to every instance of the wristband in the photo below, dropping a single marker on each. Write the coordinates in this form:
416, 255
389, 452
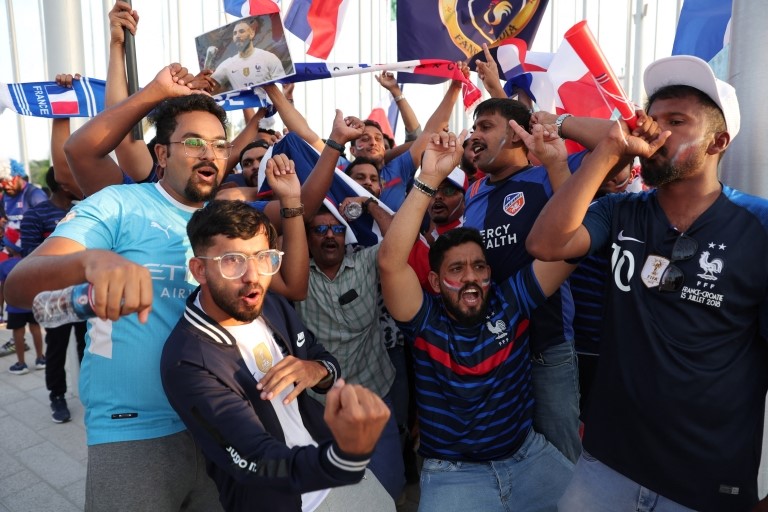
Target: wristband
559, 124
411, 136
399, 97
424, 188
367, 202
334, 145
287, 213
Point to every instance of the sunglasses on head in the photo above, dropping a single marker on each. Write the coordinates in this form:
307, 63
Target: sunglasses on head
322, 229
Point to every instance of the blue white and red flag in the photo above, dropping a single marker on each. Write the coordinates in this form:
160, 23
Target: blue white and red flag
363, 230
244, 8
317, 22
702, 27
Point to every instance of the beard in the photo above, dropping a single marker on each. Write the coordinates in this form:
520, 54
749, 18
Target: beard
465, 318
659, 172
232, 305
198, 193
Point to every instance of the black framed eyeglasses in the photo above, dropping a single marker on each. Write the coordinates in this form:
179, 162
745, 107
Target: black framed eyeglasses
195, 147
233, 265
684, 249
322, 229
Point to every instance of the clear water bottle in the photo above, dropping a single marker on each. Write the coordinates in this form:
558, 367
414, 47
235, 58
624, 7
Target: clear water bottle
353, 210
59, 307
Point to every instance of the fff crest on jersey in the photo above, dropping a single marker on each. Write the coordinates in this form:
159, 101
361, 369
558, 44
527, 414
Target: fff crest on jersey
513, 203
474, 22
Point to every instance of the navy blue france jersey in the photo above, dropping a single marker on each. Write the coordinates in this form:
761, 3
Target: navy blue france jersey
678, 400
504, 213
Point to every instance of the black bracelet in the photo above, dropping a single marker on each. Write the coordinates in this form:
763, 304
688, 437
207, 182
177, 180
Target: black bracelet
334, 145
367, 203
423, 187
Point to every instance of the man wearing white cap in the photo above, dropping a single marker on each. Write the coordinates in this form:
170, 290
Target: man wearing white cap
675, 419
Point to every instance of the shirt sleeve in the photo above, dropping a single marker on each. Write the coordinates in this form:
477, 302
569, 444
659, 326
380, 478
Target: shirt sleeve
598, 221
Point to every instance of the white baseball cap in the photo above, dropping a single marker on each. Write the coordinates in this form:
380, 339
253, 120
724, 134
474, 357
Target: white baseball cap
694, 72
459, 178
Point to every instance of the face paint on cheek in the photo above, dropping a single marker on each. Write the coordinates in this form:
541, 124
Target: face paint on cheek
452, 285
501, 145
684, 151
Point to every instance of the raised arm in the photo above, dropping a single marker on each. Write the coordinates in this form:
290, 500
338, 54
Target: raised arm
133, 156
60, 132
438, 121
398, 280
293, 279
315, 187
410, 121
558, 232
88, 148
292, 118
488, 72
247, 135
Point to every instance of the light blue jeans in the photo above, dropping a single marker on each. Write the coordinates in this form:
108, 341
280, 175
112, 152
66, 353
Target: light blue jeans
531, 480
555, 377
598, 488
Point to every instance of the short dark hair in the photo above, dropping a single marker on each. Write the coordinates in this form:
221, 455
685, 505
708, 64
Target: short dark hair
360, 160
370, 122
449, 240
50, 180
255, 144
506, 108
714, 114
233, 219
165, 114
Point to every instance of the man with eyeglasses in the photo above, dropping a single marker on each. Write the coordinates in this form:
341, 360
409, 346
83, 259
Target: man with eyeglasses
130, 243
342, 310
236, 368
676, 414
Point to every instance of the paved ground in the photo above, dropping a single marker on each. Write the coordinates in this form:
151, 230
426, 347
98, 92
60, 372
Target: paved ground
42, 464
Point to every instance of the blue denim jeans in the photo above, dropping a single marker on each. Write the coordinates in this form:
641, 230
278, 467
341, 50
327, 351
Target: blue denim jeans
555, 377
531, 480
598, 488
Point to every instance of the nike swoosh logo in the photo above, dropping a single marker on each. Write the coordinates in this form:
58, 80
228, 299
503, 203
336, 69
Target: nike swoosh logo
300, 343
623, 238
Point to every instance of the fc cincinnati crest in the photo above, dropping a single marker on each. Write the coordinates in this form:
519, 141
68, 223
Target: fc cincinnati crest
473, 22
513, 203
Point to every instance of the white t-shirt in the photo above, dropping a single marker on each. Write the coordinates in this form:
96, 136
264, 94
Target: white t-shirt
259, 67
260, 353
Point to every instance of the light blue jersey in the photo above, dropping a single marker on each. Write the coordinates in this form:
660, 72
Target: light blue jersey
120, 376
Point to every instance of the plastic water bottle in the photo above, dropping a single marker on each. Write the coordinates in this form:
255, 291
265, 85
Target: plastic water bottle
353, 210
59, 307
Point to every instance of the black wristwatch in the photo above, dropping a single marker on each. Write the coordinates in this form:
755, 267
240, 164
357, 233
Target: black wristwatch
334, 145
368, 202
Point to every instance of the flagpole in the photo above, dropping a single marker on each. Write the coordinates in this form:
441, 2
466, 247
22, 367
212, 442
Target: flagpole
20, 123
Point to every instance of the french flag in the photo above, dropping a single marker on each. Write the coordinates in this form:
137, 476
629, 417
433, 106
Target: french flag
243, 8
363, 230
308, 71
317, 22
62, 103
